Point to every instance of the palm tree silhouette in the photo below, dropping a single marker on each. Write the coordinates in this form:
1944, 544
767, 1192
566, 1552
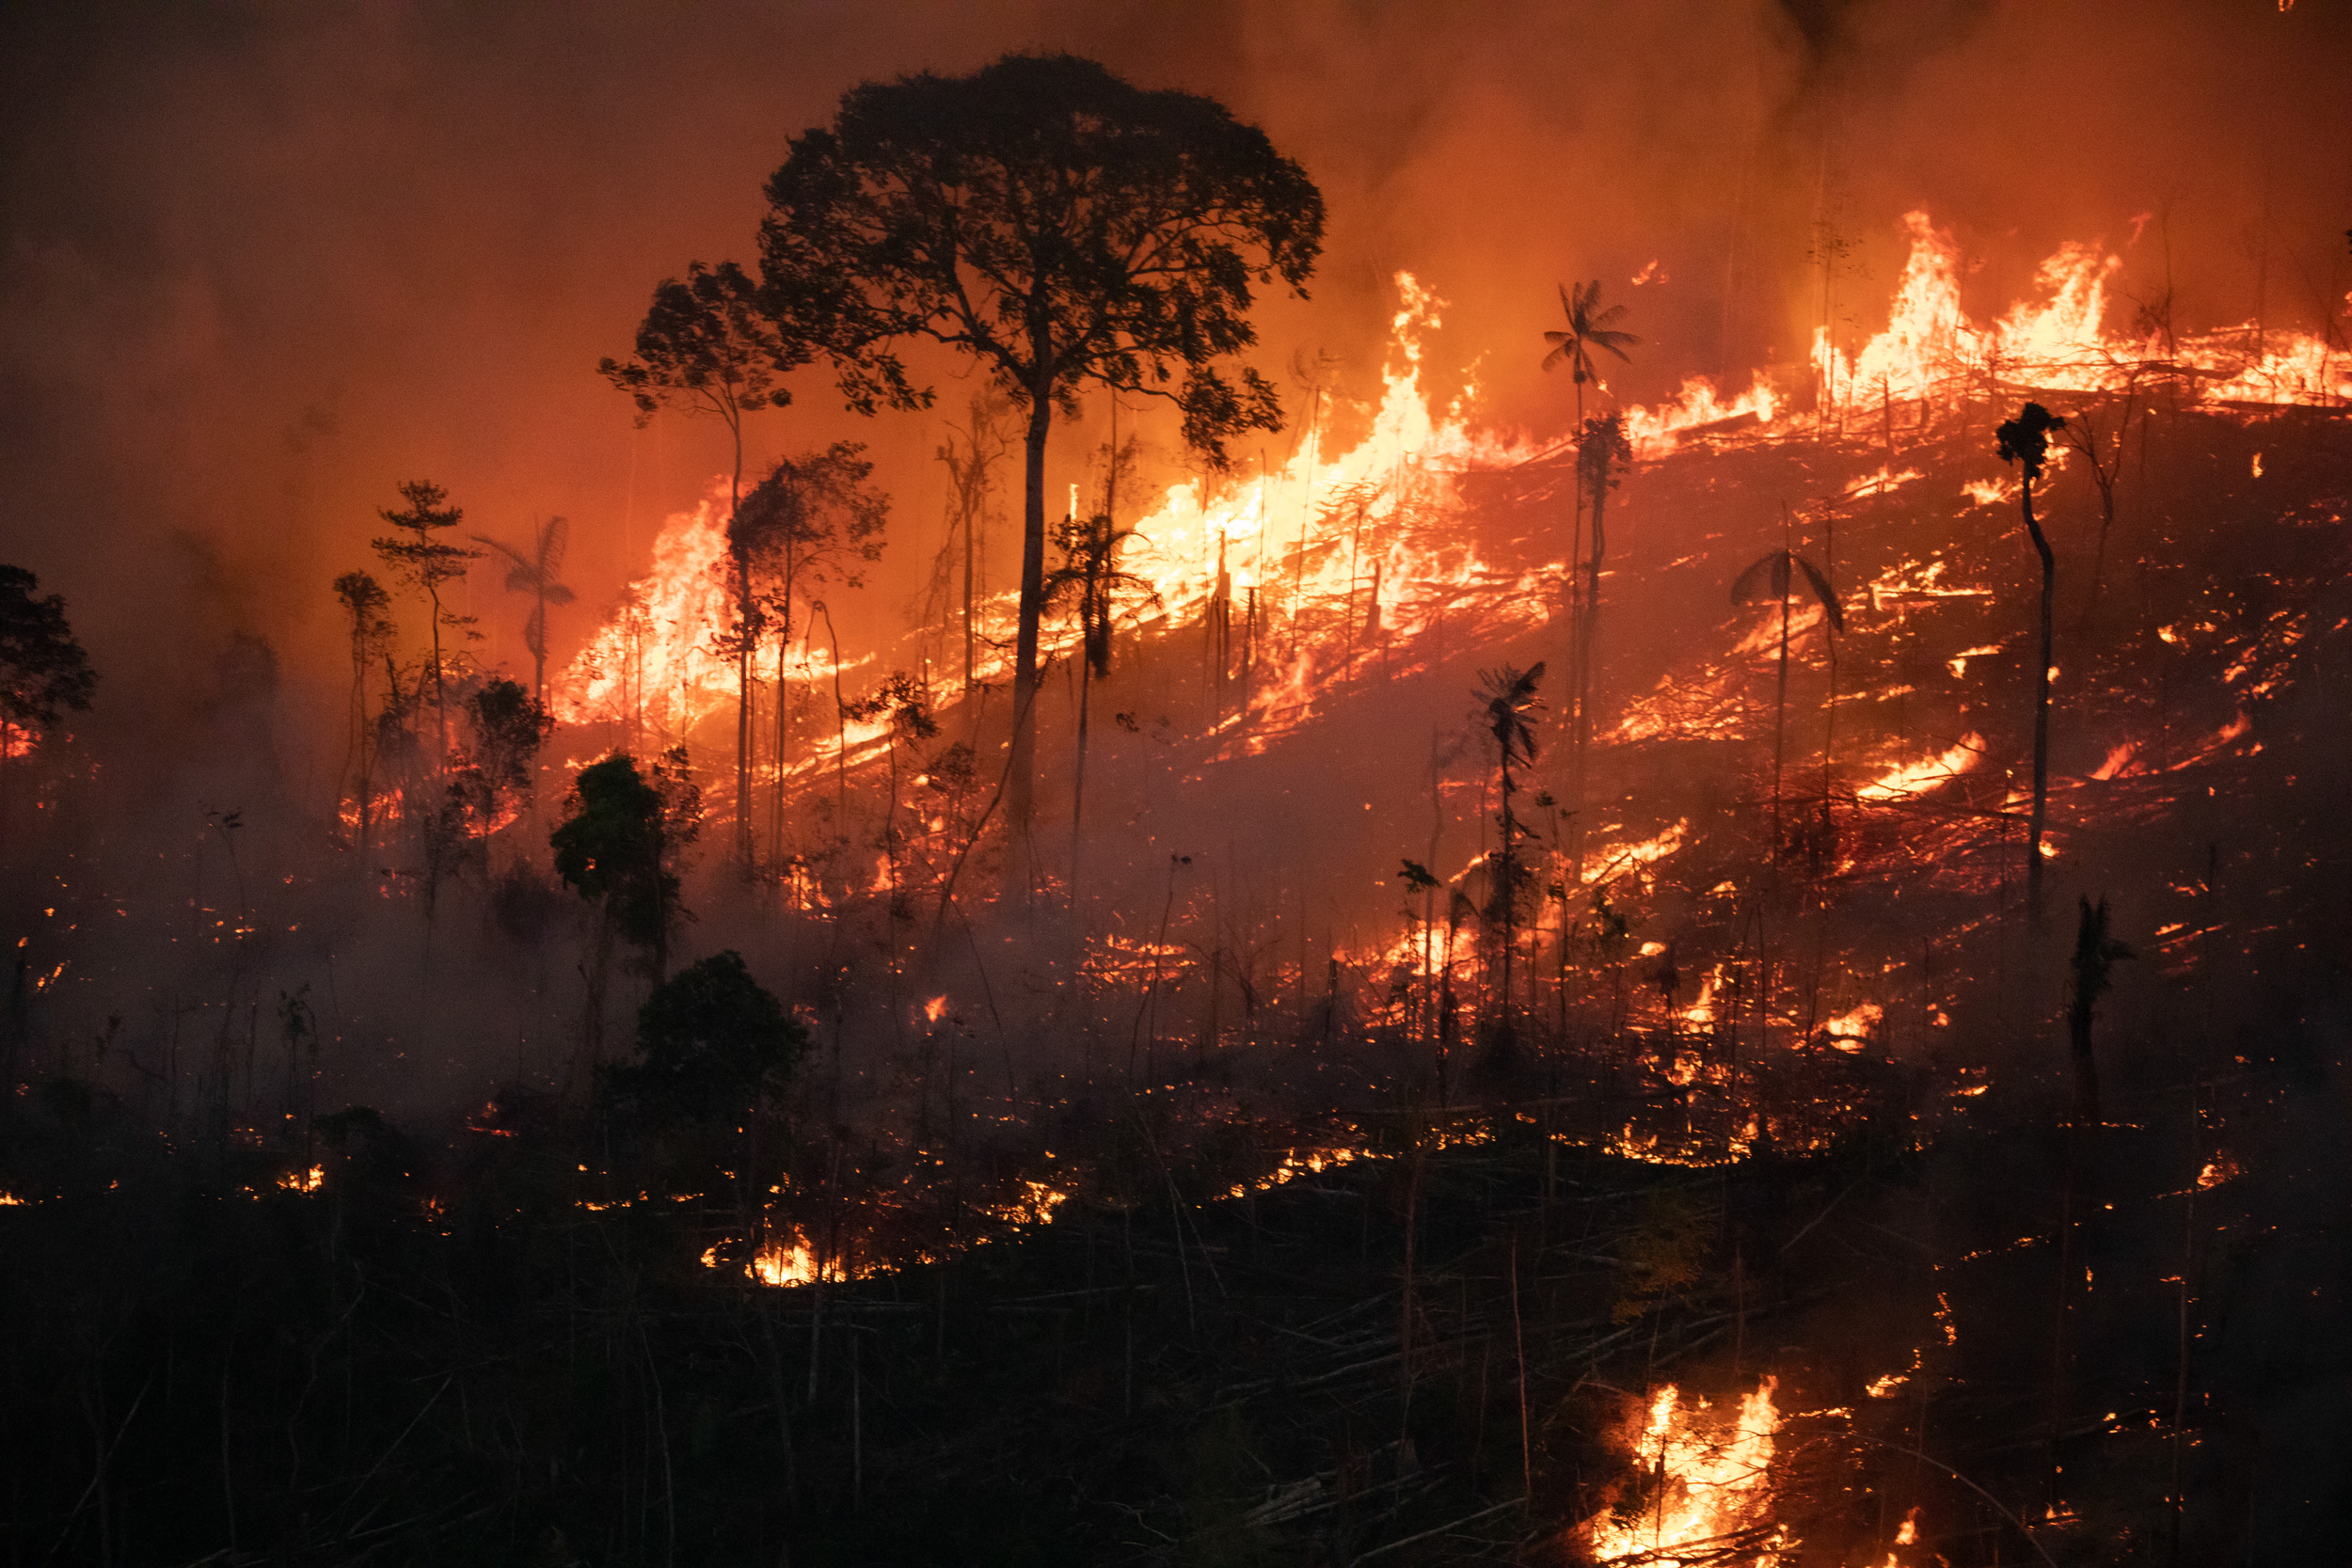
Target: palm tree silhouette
1589, 328
535, 574
1506, 703
1774, 576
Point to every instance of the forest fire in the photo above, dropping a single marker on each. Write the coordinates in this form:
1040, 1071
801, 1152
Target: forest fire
1706, 1484
1713, 777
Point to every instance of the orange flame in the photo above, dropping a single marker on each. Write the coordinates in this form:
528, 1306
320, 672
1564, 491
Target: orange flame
1713, 1479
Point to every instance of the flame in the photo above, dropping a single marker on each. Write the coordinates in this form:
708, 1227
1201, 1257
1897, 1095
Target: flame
1301, 1161
787, 1258
1850, 1031
1327, 568
1035, 1206
303, 1181
654, 655
936, 1009
1712, 1478
2219, 1169
1930, 352
1913, 778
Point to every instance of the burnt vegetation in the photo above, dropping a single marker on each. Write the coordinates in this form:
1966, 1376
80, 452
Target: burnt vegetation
1472, 1088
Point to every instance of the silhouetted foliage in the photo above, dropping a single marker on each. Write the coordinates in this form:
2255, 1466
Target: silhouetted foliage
1061, 226
44, 670
1508, 707
708, 347
427, 562
1089, 577
1770, 580
1589, 328
367, 609
2096, 954
537, 574
710, 1042
620, 844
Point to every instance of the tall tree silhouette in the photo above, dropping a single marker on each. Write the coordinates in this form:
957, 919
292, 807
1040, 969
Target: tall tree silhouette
1090, 579
1774, 577
619, 845
2096, 954
1506, 709
707, 346
428, 562
812, 521
44, 670
2025, 441
367, 609
983, 444
536, 573
1062, 226
1588, 328
1601, 454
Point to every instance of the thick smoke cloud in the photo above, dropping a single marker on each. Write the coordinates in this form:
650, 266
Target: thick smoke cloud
260, 264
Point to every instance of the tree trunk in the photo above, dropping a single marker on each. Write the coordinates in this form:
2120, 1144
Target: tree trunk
745, 641
1780, 711
1022, 792
1586, 636
2041, 709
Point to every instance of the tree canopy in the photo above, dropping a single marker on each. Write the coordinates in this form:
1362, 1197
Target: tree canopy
1060, 225
710, 1041
42, 668
618, 846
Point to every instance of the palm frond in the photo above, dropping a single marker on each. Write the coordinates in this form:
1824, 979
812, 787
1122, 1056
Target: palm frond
1821, 590
1764, 581
553, 538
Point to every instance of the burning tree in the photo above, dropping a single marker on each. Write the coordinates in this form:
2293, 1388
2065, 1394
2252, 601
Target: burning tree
1089, 576
42, 668
983, 445
1773, 579
812, 521
428, 562
366, 607
1062, 226
706, 347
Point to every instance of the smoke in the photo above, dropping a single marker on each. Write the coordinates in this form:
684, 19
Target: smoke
260, 264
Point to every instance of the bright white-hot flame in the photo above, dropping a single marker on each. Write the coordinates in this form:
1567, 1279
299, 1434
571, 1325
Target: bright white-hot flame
655, 657
1712, 1478
1929, 350
1913, 778
1327, 565
1851, 1030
